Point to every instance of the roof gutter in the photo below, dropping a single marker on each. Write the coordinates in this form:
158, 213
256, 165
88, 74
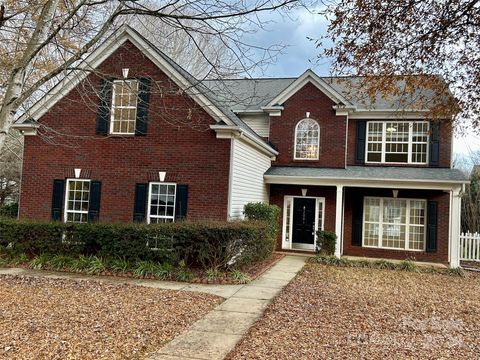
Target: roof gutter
26, 129
231, 131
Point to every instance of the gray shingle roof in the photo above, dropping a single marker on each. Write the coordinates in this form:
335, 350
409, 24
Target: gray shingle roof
252, 94
372, 173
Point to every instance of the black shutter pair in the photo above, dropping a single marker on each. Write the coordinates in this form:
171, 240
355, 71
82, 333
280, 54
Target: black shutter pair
59, 196
140, 204
103, 115
434, 145
357, 220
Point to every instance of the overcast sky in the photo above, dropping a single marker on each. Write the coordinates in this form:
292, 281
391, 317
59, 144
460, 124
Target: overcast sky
301, 54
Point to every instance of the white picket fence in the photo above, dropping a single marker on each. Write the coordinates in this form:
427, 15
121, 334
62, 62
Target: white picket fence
470, 246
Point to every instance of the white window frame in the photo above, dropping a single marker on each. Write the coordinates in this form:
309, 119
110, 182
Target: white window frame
407, 225
384, 141
113, 107
149, 216
295, 142
67, 190
287, 237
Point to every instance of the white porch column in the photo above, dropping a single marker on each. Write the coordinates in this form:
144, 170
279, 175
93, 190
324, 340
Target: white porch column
338, 220
455, 213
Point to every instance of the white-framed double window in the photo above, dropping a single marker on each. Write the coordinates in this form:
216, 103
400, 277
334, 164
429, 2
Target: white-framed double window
124, 107
391, 223
161, 202
397, 142
307, 140
77, 198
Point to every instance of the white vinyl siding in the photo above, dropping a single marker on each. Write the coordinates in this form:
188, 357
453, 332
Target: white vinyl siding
246, 182
258, 123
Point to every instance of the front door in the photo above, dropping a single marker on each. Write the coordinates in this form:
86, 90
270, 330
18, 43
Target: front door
303, 230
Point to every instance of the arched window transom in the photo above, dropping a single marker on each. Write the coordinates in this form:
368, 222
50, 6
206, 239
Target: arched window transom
307, 139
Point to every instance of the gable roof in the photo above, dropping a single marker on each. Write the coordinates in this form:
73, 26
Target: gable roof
199, 92
246, 95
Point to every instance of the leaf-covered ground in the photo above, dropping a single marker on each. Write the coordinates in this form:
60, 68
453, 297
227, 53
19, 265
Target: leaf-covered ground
345, 313
63, 319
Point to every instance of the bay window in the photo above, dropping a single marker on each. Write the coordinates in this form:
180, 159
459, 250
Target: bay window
397, 142
394, 223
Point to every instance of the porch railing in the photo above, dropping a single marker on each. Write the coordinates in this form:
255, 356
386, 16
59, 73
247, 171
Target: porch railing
470, 246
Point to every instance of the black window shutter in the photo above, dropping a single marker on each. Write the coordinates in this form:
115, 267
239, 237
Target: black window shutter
357, 217
360, 142
57, 199
104, 106
434, 153
140, 203
181, 202
142, 106
432, 219
94, 201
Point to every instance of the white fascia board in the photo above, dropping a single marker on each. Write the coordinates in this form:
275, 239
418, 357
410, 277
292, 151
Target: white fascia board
370, 183
27, 129
306, 77
235, 132
100, 54
372, 114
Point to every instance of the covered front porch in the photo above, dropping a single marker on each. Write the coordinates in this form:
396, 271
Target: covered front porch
378, 212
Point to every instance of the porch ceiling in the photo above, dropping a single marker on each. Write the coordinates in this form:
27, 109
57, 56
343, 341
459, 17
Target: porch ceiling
368, 176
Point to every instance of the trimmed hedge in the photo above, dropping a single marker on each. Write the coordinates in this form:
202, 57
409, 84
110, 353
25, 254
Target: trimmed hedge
9, 211
218, 245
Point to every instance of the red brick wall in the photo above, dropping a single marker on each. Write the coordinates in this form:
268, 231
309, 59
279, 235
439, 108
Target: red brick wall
445, 145
278, 192
178, 142
441, 255
332, 129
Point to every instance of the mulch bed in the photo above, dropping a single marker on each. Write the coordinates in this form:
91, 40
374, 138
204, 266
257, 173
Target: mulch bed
350, 313
63, 319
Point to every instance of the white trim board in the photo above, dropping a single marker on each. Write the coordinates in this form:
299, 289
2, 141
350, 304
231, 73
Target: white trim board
287, 245
309, 77
372, 183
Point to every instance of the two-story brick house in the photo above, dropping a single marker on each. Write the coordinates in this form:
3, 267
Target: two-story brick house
137, 138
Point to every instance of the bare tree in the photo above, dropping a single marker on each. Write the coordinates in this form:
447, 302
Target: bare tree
386, 40
10, 169
42, 40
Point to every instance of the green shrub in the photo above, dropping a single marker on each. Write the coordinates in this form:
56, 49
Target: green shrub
60, 262
145, 268
40, 262
220, 245
240, 277
384, 264
120, 264
18, 259
408, 265
326, 241
183, 273
458, 271
9, 210
96, 265
212, 274
80, 264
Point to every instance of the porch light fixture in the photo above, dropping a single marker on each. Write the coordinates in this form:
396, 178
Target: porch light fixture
161, 175
77, 173
395, 193
304, 192
307, 114
125, 73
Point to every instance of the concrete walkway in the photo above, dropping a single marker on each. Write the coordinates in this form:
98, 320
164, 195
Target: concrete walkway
217, 333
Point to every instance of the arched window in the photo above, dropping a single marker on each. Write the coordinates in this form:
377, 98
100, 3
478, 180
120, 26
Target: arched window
307, 139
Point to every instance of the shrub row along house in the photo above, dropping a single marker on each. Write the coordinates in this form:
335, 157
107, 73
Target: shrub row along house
135, 137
